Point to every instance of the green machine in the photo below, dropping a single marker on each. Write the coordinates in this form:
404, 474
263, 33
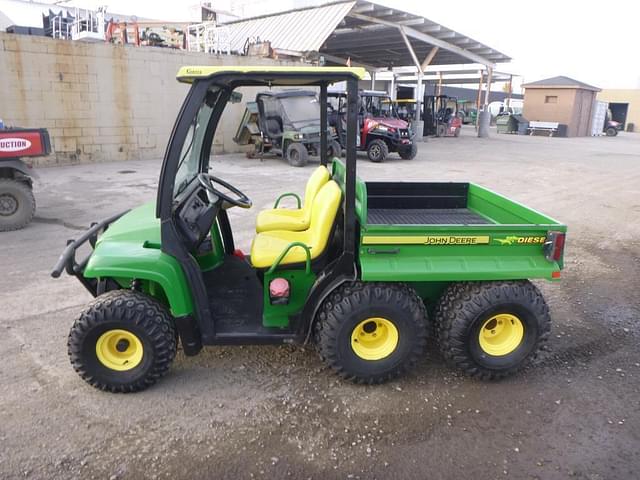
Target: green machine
285, 123
365, 270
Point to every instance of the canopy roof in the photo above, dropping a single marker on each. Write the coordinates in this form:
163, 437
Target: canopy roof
368, 34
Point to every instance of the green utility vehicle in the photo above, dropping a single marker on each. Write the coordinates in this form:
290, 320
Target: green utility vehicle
363, 269
285, 123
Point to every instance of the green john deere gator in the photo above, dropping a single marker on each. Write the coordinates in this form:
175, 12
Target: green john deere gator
363, 269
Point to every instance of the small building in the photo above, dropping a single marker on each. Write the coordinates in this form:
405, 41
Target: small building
563, 100
624, 106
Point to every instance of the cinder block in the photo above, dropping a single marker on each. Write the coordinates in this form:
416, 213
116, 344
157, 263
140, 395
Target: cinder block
65, 144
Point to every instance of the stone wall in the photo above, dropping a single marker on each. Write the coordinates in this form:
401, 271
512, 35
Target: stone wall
102, 102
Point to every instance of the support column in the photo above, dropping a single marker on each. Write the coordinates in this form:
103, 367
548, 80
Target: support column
393, 94
488, 92
509, 92
418, 123
479, 97
373, 80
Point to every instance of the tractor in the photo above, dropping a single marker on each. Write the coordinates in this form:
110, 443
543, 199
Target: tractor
364, 270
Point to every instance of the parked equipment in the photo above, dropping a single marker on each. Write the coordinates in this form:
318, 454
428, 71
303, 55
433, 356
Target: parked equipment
381, 131
17, 203
441, 116
511, 123
284, 123
377, 266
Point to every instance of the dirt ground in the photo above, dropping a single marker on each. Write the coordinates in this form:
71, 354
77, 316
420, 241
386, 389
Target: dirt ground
277, 412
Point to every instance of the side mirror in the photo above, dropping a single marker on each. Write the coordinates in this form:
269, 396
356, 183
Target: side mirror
236, 97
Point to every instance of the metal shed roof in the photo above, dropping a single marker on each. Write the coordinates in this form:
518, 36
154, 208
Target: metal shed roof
367, 33
302, 30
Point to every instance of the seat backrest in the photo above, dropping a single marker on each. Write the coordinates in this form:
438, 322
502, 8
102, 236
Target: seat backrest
323, 216
272, 125
318, 179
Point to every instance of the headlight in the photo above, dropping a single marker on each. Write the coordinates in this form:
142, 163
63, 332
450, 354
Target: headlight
298, 136
382, 128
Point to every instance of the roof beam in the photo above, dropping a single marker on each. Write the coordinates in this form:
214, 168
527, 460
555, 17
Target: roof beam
343, 61
429, 58
410, 48
418, 35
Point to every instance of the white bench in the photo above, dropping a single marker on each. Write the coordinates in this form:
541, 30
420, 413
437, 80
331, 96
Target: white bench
549, 127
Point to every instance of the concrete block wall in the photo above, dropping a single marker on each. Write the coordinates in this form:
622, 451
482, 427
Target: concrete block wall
102, 102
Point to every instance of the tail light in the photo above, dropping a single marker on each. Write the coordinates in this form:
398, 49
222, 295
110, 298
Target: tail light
554, 246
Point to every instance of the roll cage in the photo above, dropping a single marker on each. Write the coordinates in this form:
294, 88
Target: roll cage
202, 80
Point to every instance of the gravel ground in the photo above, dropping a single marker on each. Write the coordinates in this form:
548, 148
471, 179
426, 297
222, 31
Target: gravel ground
277, 412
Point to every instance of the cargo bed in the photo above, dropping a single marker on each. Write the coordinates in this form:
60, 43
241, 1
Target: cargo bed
454, 231
420, 204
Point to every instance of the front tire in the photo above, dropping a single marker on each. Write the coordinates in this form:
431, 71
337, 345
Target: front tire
491, 329
297, 155
371, 332
409, 153
17, 204
377, 150
124, 341
611, 132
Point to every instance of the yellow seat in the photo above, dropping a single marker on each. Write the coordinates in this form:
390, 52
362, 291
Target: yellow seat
290, 219
267, 246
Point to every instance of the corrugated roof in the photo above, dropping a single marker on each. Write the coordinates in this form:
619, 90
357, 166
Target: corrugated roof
302, 30
560, 82
366, 32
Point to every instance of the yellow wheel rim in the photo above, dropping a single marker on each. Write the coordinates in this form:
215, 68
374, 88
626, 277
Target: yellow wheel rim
374, 338
119, 350
501, 334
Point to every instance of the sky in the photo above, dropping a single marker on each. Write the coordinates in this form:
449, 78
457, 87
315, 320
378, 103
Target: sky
596, 42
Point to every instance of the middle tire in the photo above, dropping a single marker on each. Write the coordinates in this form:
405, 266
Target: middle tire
371, 332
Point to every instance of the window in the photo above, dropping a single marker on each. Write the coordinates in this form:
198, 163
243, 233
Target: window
189, 165
551, 99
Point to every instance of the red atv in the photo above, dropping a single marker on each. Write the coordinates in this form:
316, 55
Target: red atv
381, 130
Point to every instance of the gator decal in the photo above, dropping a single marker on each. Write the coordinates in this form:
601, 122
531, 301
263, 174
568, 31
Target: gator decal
426, 240
515, 240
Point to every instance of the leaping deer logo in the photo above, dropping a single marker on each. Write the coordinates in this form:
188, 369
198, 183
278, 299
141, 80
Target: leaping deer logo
507, 241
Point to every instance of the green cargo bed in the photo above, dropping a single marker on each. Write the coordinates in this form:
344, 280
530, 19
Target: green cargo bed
454, 231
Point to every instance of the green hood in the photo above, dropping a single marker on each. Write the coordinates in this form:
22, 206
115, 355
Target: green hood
138, 226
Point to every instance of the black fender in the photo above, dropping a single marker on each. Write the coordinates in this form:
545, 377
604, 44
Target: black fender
8, 169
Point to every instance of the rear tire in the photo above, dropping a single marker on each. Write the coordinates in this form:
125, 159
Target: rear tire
441, 131
611, 132
17, 204
352, 316
377, 150
491, 329
297, 155
124, 341
409, 153
457, 132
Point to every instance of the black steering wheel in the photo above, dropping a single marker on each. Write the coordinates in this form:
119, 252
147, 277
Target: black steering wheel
241, 200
